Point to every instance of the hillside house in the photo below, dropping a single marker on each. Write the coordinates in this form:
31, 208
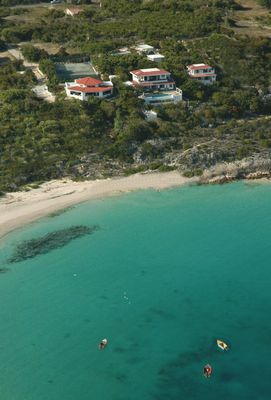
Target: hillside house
145, 49
157, 57
72, 11
157, 84
152, 79
83, 88
202, 73
123, 51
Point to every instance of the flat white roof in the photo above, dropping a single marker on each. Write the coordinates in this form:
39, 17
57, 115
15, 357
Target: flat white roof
144, 46
150, 112
157, 55
199, 65
150, 70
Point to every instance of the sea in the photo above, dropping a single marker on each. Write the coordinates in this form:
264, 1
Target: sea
165, 274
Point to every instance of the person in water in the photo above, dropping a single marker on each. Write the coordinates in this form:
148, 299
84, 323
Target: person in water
102, 344
207, 371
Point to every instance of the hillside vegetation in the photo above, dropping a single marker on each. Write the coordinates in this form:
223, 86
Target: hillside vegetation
225, 122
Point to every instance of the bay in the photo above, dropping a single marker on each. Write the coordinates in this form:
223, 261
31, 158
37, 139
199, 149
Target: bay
164, 276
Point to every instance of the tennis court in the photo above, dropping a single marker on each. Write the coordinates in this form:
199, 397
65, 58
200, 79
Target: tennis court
71, 71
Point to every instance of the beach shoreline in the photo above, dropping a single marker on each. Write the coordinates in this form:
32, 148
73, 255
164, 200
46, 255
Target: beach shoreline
21, 208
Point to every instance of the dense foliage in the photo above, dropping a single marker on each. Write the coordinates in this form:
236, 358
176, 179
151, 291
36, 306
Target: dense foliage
8, 3
266, 3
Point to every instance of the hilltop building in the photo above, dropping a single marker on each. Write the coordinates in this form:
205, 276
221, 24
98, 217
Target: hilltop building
157, 84
123, 51
157, 57
202, 73
83, 88
145, 49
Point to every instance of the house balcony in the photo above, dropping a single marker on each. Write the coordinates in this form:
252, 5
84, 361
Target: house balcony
155, 85
209, 71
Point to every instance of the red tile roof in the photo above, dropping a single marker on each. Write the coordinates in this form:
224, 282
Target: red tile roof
139, 72
88, 81
90, 89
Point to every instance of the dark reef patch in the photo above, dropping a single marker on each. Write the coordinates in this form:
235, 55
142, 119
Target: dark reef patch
228, 376
119, 349
51, 241
67, 335
121, 377
3, 270
135, 360
60, 212
162, 313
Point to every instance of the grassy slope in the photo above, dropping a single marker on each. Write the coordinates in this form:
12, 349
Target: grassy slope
248, 20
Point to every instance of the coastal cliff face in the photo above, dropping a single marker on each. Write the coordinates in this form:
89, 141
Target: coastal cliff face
208, 166
252, 168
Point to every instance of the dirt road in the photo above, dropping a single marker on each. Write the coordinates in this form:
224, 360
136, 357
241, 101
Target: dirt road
41, 89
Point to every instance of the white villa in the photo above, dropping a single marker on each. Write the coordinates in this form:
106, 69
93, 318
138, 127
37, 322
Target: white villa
157, 84
145, 49
157, 57
83, 88
152, 78
202, 73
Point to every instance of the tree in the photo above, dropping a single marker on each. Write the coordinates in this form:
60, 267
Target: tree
3, 45
266, 3
32, 53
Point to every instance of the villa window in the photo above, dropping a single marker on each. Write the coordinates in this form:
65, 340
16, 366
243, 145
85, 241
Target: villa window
152, 78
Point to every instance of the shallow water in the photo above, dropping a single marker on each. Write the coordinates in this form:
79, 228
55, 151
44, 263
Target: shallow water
165, 275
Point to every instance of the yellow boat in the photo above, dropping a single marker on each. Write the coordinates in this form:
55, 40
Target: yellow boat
222, 345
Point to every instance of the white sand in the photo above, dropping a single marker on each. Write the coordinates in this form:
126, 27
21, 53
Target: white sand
19, 208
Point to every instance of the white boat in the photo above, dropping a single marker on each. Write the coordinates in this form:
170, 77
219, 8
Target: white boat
222, 345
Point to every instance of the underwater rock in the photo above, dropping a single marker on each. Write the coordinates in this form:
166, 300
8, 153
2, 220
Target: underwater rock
3, 270
60, 212
51, 241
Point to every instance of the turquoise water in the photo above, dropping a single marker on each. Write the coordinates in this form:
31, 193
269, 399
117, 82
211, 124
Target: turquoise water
167, 273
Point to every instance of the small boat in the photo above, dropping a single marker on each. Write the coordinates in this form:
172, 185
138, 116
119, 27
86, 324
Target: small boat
103, 343
222, 345
207, 371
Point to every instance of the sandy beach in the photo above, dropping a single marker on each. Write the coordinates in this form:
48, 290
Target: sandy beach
20, 208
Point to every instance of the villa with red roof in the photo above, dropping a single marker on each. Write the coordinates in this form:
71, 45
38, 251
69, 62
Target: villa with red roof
83, 88
152, 79
157, 84
202, 73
